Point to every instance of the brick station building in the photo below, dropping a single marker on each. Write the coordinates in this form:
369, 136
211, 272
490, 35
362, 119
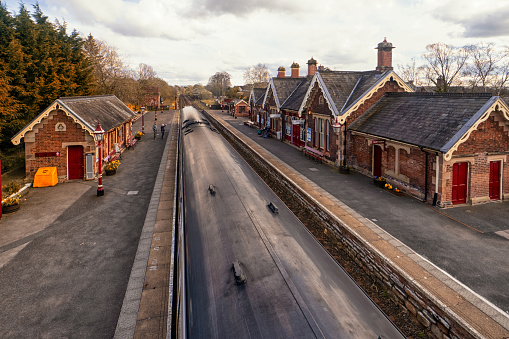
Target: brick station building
62, 135
446, 148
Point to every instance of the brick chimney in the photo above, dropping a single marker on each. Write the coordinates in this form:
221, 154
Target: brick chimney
311, 66
384, 56
295, 70
281, 72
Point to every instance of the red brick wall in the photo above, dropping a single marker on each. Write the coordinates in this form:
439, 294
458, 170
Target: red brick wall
48, 140
488, 139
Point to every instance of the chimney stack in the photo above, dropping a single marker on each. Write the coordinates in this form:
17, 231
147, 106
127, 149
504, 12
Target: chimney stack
384, 56
311, 66
295, 70
281, 72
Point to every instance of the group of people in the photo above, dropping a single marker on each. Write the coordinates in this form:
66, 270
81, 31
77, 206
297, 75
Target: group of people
154, 128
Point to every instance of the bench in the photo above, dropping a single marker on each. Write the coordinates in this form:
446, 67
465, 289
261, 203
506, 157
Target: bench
130, 143
113, 156
312, 153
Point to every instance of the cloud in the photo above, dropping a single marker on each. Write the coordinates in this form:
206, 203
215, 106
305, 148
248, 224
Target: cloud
475, 18
246, 7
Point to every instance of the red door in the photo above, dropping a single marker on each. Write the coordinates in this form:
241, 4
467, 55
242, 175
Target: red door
377, 161
75, 162
495, 180
296, 134
459, 182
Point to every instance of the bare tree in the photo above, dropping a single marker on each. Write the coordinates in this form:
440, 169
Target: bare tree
444, 64
411, 73
483, 70
146, 72
258, 76
219, 83
501, 78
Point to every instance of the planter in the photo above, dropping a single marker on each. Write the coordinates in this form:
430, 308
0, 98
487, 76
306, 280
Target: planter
380, 183
344, 170
111, 172
10, 208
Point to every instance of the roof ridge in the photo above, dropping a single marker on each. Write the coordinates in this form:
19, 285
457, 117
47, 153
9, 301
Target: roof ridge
437, 94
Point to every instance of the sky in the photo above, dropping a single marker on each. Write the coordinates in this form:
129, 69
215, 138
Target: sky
188, 41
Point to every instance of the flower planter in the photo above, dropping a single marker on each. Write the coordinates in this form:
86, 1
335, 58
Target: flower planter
10, 208
379, 183
111, 172
344, 170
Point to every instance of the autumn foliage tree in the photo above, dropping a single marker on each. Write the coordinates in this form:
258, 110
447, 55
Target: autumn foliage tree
39, 62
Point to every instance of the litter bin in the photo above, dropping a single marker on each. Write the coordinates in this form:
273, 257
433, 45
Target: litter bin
45, 177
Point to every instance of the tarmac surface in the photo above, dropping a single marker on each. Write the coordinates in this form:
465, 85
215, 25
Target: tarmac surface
66, 255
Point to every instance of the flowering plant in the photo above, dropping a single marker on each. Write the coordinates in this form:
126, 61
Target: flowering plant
14, 200
388, 186
111, 166
380, 178
138, 135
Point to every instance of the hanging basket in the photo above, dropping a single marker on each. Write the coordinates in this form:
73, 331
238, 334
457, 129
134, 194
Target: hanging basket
10, 208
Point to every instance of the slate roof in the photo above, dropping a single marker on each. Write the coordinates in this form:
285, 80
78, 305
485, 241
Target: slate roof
258, 93
283, 88
105, 108
87, 111
345, 88
294, 101
431, 120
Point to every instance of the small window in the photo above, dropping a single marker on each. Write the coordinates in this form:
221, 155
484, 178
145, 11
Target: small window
320, 100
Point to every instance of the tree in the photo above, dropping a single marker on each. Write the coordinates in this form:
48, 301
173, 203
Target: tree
258, 76
411, 73
482, 71
444, 64
219, 83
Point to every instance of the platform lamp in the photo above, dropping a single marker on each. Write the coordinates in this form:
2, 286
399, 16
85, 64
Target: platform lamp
143, 120
98, 136
336, 127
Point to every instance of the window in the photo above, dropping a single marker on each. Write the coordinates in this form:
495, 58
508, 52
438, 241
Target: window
320, 100
322, 132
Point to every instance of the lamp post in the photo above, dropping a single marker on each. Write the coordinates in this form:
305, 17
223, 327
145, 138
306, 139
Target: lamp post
98, 136
143, 120
336, 127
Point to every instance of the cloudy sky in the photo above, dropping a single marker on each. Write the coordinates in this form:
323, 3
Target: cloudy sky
187, 41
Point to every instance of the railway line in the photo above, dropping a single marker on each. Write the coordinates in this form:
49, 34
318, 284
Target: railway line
247, 266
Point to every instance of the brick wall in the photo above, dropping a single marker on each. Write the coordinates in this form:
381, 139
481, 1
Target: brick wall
488, 142
44, 138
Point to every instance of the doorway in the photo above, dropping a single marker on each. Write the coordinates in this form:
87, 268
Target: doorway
75, 167
459, 182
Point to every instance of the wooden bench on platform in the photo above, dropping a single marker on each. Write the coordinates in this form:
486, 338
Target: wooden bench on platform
312, 153
130, 143
249, 123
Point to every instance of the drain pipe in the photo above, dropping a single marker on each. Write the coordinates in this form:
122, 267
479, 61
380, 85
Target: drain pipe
425, 175
437, 177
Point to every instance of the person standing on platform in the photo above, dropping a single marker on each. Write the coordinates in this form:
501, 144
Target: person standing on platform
162, 130
154, 127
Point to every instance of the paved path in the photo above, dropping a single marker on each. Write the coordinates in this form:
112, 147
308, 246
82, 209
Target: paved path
66, 256
477, 258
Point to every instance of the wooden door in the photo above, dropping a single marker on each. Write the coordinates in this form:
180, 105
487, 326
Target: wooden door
296, 134
377, 161
459, 182
495, 167
75, 166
